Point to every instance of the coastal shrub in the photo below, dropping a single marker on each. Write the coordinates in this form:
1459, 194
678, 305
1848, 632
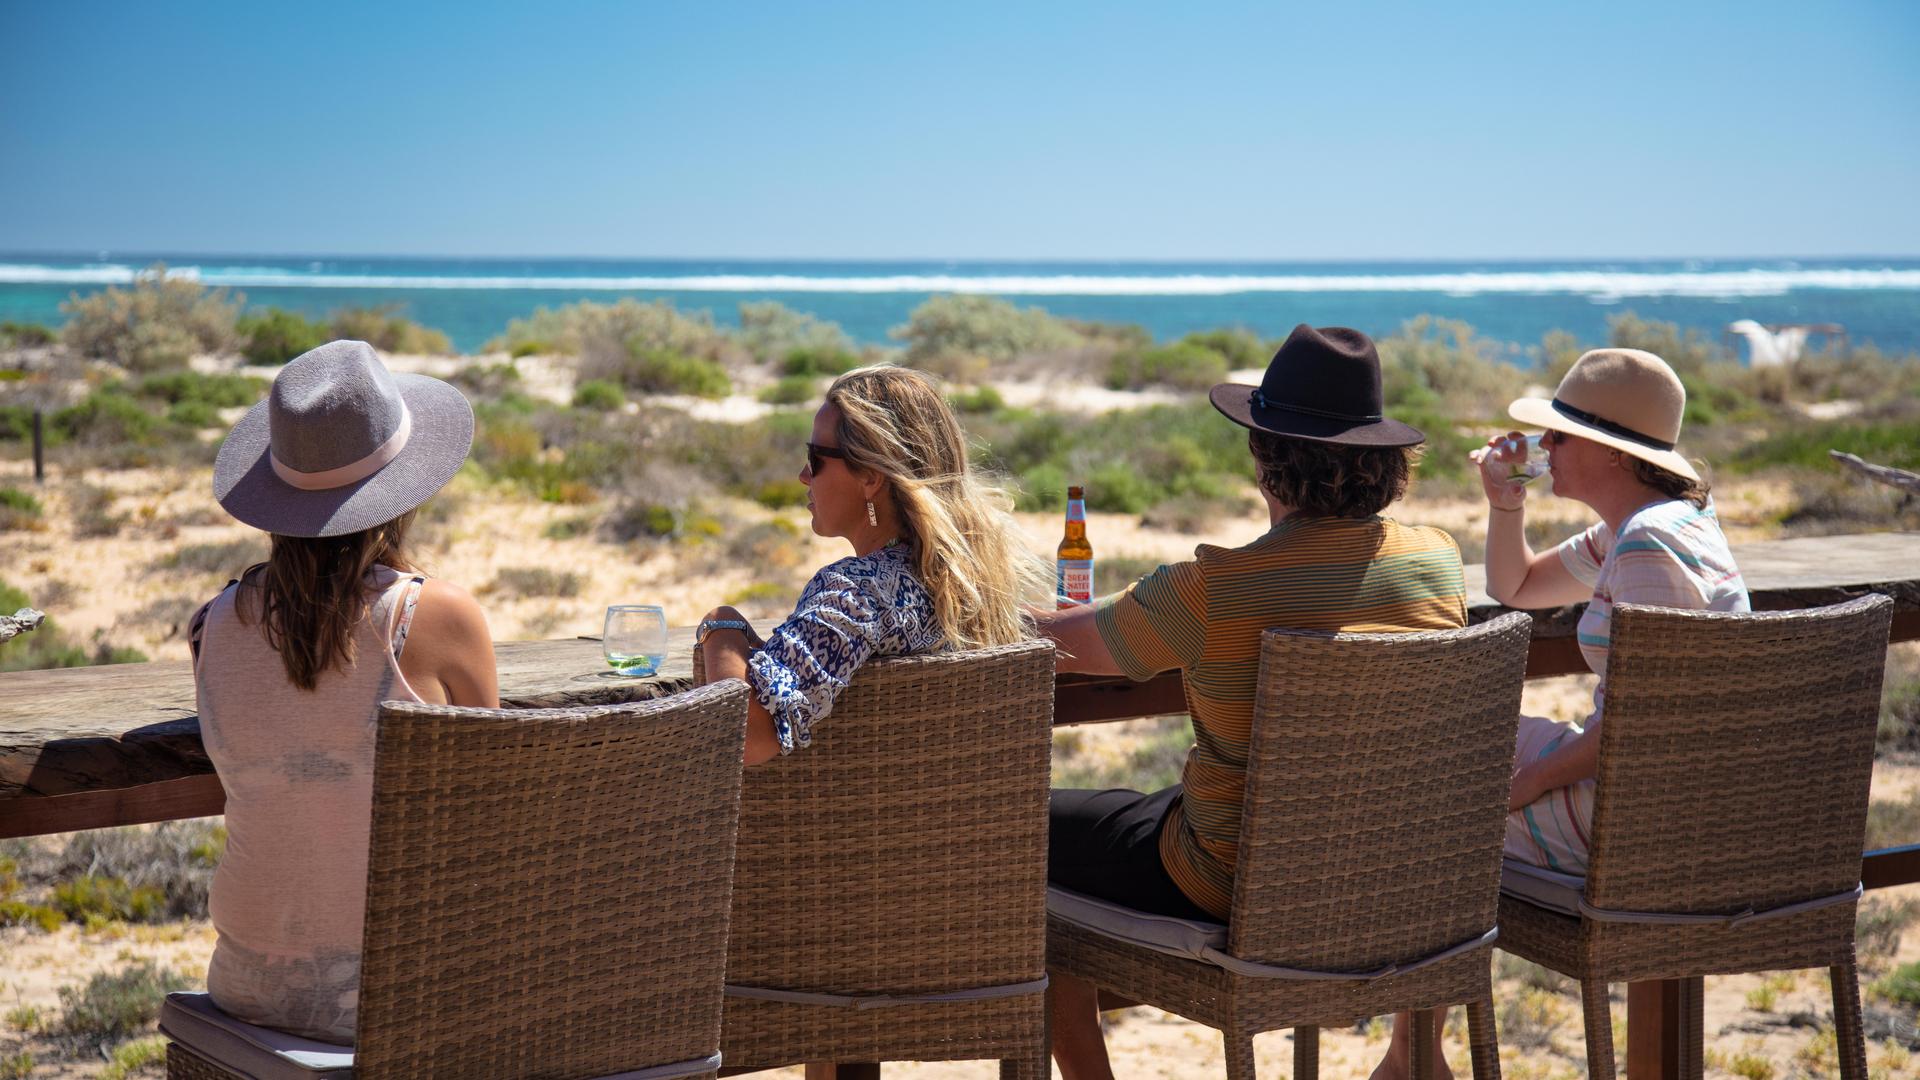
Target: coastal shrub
91, 509
1183, 365
109, 419
174, 859
599, 395
157, 322
666, 372
764, 592
1155, 758
568, 528
980, 399
136, 1057
1899, 729
16, 422
1440, 365
24, 335
775, 544
781, 494
537, 581
18, 510
1685, 351
965, 336
568, 330
1901, 985
1532, 1019
1805, 445
92, 898
384, 328
790, 390
48, 647
1197, 514
1893, 822
275, 336
116, 1004
773, 331
1879, 926
813, 361
228, 557
1241, 348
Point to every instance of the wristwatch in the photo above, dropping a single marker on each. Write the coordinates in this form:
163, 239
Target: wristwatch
700, 632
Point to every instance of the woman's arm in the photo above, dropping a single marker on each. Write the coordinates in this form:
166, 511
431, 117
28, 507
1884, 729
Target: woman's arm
1517, 576
448, 658
725, 656
1570, 763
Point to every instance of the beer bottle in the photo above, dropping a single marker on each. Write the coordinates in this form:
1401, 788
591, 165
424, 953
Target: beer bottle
1074, 583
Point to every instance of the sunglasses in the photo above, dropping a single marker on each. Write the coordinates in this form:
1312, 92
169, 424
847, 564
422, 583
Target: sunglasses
815, 452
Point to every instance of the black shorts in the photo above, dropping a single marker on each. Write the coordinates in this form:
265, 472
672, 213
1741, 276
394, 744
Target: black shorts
1107, 844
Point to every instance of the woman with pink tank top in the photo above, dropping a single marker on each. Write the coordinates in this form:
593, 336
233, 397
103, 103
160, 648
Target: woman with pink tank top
292, 660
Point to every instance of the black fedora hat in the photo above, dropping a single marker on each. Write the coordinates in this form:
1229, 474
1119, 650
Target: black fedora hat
1323, 384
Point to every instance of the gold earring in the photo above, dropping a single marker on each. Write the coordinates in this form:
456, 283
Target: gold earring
872, 518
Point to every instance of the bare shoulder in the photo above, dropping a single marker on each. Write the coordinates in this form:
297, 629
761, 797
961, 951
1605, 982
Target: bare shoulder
447, 612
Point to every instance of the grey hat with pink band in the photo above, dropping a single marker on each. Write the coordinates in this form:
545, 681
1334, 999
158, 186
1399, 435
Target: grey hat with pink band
341, 445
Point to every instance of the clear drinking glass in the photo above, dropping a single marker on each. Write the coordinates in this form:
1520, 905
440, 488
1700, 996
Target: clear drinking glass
1527, 469
635, 639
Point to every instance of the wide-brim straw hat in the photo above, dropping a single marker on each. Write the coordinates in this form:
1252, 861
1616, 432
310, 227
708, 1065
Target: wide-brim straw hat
1623, 398
341, 445
1324, 385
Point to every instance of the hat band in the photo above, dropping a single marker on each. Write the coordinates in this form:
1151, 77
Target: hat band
354, 471
1260, 400
1608, 426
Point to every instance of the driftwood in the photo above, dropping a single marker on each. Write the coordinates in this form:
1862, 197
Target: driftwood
1885, 474
12, 626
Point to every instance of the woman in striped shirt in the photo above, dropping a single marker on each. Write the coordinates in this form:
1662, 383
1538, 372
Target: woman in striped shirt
1611, 429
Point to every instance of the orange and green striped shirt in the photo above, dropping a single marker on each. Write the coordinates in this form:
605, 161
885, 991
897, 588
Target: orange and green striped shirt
1204, 617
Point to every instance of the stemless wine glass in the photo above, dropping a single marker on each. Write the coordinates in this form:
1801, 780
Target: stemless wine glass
635, 639
1530, 468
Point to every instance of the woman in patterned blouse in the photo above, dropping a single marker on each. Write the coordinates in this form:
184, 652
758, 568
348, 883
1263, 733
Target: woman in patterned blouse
936, 564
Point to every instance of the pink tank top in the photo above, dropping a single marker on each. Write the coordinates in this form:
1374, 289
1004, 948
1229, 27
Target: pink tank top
288, 898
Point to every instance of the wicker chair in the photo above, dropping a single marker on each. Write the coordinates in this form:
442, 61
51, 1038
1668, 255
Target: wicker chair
1729, 814
547, 895
889, 894
1369, 850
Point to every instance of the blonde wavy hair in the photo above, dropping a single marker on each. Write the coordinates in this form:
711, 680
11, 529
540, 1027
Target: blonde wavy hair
895, 422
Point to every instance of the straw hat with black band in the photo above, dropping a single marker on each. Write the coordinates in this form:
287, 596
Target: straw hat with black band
1622, 398
341, 445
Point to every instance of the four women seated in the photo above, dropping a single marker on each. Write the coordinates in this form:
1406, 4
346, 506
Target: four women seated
292, 659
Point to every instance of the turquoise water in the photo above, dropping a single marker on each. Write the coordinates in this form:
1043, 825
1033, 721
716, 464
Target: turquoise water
1877, 300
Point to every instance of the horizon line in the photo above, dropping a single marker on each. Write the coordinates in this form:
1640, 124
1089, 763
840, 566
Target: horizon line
129, 255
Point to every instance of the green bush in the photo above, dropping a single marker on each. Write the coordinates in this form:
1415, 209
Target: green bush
770, 330
1895, 443
193, 387
529, 347
93, 897
18, 510
569, 330
791, 390
1241, 348
661, 371
116, 1004
275, 336
1902, 985
19, 335
385, 329
781, 494
983, 399
1687, 352
16, 422
815, 362
47, 647
108, 418
966, 335
1181, 366
599, 395
157, 322
1439, 366
537, 581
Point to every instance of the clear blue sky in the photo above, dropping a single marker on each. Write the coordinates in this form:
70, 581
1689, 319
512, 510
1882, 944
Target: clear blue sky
1152, 130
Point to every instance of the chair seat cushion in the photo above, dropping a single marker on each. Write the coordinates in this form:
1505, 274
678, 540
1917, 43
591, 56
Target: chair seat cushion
194, 1021
1542, 887
1188, 938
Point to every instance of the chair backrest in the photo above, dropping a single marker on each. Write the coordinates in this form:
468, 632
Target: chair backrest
1376, 799
904, 851
547, 891
1735, 755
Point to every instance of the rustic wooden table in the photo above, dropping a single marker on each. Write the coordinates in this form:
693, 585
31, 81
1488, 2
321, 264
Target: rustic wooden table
87, 748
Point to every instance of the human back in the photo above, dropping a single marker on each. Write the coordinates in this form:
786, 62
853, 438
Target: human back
292, 660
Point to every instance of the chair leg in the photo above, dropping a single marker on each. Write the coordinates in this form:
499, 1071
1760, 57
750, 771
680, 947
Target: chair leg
1306, 1053
1599, 1021
1422, 1064
1239, 1055
1693, 1028
1850, 1038
1482, 1041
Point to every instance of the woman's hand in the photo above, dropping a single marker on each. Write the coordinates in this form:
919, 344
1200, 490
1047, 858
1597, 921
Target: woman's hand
1495, 461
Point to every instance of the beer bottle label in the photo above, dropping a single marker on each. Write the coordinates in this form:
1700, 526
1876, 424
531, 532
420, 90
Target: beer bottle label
1075, 582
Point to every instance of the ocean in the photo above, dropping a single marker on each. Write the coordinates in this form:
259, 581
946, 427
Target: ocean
1877, 300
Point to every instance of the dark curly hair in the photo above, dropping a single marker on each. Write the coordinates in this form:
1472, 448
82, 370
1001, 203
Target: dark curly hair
1329, 479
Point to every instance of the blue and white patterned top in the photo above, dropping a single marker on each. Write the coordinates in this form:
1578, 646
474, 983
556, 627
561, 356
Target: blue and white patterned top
861, 606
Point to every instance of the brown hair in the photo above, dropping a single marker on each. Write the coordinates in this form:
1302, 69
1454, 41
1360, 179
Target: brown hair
312, 592
1669, 483
968, 554
1331, 479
